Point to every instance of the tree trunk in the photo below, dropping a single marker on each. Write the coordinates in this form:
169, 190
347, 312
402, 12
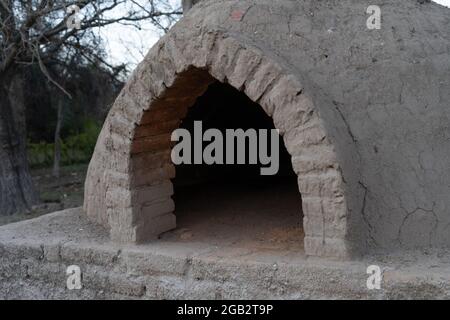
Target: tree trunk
17, 193
57, 155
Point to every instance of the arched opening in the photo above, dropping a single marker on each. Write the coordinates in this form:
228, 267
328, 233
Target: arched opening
129, 187
233, 204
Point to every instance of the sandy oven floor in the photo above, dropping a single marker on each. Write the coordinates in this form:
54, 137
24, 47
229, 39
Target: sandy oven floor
247, 215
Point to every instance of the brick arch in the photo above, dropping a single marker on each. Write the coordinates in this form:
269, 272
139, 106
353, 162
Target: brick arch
128, 188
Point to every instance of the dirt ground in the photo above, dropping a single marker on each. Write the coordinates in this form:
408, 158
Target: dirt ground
55, 194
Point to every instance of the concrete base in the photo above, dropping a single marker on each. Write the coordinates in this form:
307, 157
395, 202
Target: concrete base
34, 255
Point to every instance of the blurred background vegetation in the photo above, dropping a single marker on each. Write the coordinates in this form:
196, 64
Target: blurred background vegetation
76, 147
93, 91
60, 71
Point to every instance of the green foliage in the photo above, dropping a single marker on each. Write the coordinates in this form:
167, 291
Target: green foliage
75, 149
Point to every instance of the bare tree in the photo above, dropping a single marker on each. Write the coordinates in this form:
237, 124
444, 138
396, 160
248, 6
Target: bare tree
57, 138
36, 32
